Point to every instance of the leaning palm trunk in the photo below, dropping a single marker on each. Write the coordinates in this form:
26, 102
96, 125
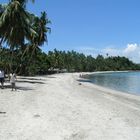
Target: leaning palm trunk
18, 26
15, 27
27, 54
11, 66
2, 39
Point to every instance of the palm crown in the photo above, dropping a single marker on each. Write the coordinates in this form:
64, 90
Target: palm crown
19, 28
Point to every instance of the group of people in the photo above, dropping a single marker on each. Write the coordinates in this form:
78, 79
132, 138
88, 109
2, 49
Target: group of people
12, 78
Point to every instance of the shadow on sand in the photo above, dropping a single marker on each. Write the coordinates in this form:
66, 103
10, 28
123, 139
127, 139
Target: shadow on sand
31, 82
29, 78
84, 80
51, 77
24, 88
17, 87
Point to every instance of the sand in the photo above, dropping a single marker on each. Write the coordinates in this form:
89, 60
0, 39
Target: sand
64, 107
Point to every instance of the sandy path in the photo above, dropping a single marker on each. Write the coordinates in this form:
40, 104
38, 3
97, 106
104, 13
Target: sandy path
56, 107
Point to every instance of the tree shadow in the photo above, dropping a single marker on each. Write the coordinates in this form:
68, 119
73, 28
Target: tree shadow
5, 86
84, 80
31, 82
24, 88
22, 80
51, 77
28, 78
17, 87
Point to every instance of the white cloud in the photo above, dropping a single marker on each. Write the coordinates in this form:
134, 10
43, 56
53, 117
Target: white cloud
87, 50
112, 51
131, 51
130, 48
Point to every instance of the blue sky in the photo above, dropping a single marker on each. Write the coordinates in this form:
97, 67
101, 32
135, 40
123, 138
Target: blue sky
93, 26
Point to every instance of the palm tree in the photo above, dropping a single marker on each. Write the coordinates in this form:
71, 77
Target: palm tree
39, 25
2, 8
22, 30
15, 26
22, 2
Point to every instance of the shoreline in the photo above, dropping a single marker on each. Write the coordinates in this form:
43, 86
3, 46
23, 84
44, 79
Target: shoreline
57, 107
84, 77
108, 91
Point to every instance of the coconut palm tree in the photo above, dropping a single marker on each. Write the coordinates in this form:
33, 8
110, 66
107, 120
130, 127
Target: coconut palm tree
22, 2
15, 25
20, 29
39, 25
14, 20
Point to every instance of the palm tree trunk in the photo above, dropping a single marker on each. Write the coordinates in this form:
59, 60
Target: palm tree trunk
12, 58
1, 42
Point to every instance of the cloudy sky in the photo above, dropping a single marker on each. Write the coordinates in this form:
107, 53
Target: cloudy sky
93, 26
131, 51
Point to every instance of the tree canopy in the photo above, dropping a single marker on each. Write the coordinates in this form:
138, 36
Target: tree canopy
22, 32
62, 61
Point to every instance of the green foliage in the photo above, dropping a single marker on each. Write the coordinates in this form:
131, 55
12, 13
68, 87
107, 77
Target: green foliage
60, 61
23, 33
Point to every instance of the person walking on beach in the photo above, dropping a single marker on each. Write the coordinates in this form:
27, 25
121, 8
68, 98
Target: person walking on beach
13, 80
2, 78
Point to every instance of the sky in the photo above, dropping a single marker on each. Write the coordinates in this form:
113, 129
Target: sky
92, 27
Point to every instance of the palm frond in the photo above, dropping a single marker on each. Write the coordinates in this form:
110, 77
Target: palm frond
15, 24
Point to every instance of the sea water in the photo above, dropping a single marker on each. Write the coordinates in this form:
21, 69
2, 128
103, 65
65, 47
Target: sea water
128, 82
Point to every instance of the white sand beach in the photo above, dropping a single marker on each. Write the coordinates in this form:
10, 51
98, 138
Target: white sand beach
58, 107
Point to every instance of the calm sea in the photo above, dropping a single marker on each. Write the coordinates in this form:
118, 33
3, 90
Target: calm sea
122, 81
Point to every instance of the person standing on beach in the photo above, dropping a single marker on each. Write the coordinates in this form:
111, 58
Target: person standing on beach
2, 78
13, 80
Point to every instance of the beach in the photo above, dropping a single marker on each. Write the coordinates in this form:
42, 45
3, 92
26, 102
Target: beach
67, 107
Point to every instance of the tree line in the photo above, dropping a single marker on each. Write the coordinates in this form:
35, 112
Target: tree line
63, 61
22, 33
